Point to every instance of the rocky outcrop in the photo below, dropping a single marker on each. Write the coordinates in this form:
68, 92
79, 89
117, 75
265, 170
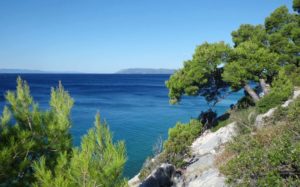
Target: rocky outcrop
202, 170
259, 122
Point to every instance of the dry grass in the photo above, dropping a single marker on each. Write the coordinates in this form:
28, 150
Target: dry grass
224, 157
266, 135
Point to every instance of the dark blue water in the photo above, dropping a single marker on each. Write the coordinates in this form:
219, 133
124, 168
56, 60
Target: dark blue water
136, 107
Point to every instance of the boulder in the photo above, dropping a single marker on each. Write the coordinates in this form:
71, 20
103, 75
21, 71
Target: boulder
161, 177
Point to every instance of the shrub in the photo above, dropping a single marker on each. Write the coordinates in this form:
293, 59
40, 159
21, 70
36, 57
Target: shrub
293, 73
244, 119
293, 112
175, 148
281, 90
179, 140
270, 156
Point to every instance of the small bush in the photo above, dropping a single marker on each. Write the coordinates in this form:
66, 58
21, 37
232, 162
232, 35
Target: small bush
293, 113
179, 140
175, 148
244, 119
281, 90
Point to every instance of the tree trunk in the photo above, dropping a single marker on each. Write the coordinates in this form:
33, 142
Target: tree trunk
263, 86
251, 92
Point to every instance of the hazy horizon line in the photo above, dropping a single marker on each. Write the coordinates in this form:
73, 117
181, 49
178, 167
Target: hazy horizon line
38, 71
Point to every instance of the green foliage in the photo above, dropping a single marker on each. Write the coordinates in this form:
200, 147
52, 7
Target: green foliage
98, 162
180, 138
244, 119
284, 35
259, 52
278, 19
249, 62
176, 147
28, 133
199, 72
281, 90
247, 32
293, 73
244, 103
296, 5
29, 136
269, 156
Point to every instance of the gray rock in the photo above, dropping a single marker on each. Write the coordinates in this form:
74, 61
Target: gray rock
203, 172
260, 119
161, 177
210, 142
209, 178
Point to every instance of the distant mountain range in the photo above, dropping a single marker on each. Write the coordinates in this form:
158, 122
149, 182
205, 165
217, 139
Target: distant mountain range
20, 71
29, 71
146, 71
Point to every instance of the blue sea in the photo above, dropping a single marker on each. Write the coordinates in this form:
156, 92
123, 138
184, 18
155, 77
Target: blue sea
136, 107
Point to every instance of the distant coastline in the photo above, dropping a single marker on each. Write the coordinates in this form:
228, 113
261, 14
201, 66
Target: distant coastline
146, 71
20, 71
29, 71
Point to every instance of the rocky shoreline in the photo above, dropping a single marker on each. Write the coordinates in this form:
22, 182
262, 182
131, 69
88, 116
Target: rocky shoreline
203, 169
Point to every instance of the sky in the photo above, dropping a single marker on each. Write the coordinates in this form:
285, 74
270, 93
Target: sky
104, 36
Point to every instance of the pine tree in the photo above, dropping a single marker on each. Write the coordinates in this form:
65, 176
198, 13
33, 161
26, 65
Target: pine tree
201, 75
98, 162
296, 5
250, 62
35, 143
258, 53
284, 34
27, 133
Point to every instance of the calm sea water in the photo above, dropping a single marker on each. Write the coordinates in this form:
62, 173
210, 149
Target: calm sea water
136, 107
